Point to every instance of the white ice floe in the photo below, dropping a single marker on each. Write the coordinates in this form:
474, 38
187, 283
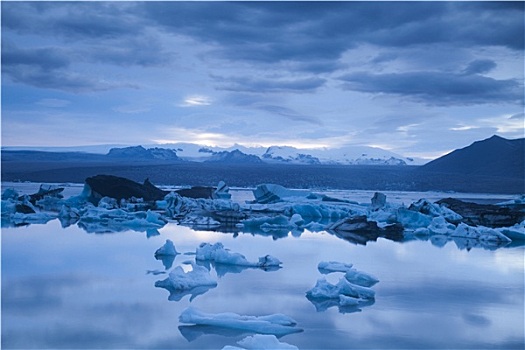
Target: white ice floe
326, 267
261, 342
360, 278
199, 276
325, 290
515, 233
480, 233
96, 219
167, 249
276, 324
351, 274
220, 255
435, 210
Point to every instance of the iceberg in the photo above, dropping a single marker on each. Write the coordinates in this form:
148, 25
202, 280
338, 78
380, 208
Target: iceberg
167, 249
326, 267
180, 283
220, 255
479, 233
166, 254
261, 342
325, 290
435, 210
276, 324
360, 278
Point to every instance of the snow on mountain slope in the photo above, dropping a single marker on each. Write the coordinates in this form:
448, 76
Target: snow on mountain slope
352, 155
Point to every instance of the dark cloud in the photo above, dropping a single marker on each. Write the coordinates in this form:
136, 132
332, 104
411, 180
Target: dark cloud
290, 114
73, 20
46, 58
304, 31
480, 67
247, 84
437, 88
49, 68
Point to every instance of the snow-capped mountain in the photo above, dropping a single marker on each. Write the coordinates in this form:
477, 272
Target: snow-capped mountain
355, 155
139, 152
350, 155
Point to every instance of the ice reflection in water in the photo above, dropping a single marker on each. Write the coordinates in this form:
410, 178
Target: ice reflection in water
69, 289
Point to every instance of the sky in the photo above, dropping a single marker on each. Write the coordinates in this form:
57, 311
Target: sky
416, 78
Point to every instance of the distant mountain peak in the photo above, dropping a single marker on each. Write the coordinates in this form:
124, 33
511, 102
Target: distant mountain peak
495, 156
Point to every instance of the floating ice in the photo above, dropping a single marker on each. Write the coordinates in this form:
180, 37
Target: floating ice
180, 283
261, 342
325, 290
515, 233
220, 255
360, 278
435, 210
276, 324
167, 249
480, 233
326, 267
167, 254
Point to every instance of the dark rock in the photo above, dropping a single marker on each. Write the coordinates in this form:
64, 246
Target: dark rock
197, 192
24, 209
51, 191
489, 215
122, 188
359, 230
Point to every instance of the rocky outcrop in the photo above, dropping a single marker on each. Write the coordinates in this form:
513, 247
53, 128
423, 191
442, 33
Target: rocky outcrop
359, 229
488, 215
122, 188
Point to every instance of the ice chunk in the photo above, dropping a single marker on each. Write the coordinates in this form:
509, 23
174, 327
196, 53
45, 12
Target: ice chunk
481, 233
167, 249
10, 193
326, 267
440, 226
222, 191
515, 233
271, 193
276, 324
180, 283
378, 201
435, 210
220, 255
325, 290
167, 254
412, 219
261, 342
360, 278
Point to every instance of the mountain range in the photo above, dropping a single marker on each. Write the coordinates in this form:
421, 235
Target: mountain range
354, 155
494, 165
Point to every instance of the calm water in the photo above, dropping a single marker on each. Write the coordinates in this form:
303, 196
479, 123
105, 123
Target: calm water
65, 288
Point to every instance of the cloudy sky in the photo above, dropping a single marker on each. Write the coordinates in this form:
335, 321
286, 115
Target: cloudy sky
417, 78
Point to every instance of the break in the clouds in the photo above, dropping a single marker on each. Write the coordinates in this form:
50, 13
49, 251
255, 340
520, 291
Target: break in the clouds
419, 78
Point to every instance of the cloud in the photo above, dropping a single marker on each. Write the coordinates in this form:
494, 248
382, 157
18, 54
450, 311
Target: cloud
290, 114
195, 101
437, 88
53, 102
247, 84
480, 67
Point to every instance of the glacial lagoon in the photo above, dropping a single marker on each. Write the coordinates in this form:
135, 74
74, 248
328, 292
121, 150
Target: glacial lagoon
67, 288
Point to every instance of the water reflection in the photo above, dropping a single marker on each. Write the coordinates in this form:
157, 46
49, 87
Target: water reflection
474, 297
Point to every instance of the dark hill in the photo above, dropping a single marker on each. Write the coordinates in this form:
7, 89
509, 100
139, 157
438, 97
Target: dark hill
495, 156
